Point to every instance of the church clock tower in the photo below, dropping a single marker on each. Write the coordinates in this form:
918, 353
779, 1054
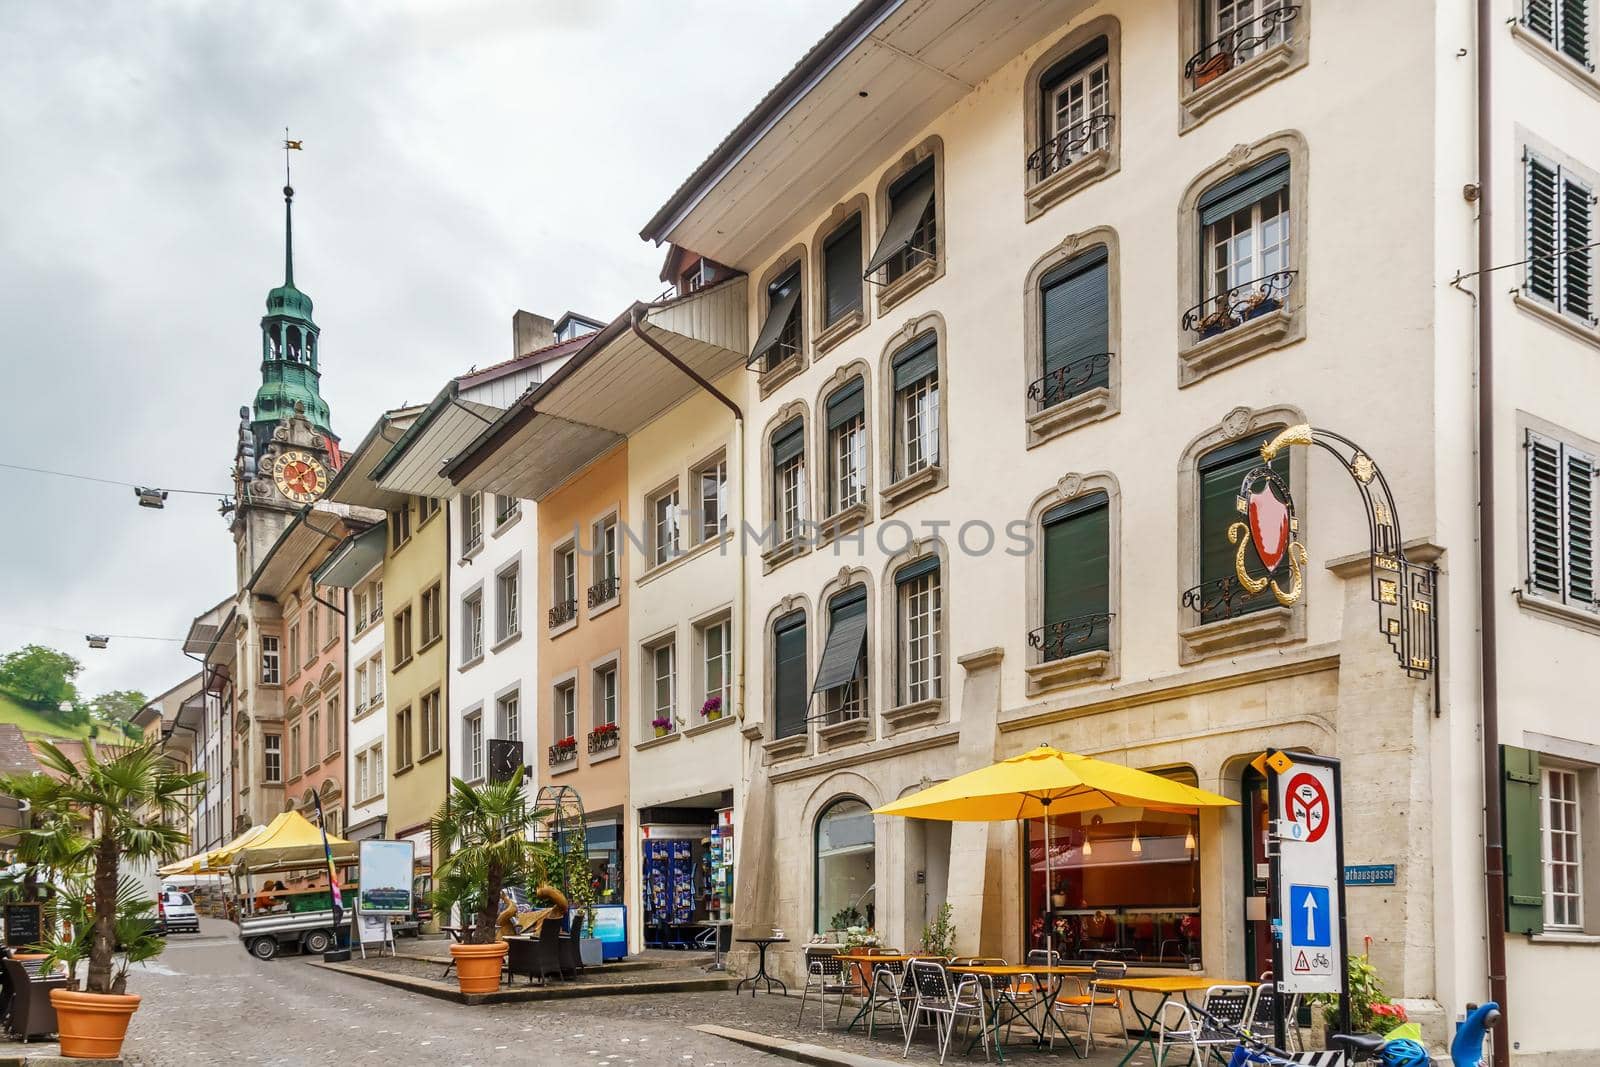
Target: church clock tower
287, 452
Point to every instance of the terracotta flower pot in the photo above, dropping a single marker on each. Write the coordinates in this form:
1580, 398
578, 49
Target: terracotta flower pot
92, 1025
478, 966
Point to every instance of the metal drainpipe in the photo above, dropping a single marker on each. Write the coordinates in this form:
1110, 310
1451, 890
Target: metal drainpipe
1493, 836
742, 592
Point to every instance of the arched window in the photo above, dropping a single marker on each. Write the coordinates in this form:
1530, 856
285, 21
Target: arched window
846, 457
1222, 470
845, 859
842, 676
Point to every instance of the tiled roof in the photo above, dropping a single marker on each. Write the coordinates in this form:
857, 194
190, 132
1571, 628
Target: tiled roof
15, 755
527, 359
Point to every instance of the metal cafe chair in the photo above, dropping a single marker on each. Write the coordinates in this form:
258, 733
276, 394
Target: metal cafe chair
1093, 999
891, 987
1228, 1005
941, 1004
825, 976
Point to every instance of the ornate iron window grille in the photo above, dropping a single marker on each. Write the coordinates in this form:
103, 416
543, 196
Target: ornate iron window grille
1248, 300
1066, 382
560, 753
603, 738
563, 612
1058, 640
1225, 598
1066, 147
1237, 46
602, 591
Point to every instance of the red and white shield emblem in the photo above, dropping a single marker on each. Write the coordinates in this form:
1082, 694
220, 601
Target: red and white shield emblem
1269, 525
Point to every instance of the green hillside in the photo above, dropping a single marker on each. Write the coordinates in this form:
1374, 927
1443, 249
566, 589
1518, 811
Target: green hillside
35, 724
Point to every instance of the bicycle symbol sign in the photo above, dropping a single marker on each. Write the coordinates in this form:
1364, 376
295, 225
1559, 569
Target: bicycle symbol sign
1308, 805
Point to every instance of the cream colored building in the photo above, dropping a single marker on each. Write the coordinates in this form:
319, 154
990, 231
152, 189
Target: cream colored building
1111, 248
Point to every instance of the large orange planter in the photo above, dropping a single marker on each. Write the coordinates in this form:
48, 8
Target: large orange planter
478, 966
92, 1025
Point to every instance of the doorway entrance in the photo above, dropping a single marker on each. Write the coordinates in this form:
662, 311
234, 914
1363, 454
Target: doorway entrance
1258, 930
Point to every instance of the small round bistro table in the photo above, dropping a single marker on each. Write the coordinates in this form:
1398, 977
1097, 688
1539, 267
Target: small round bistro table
761, 975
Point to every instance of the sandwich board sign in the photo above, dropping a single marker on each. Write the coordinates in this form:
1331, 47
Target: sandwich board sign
1307, 895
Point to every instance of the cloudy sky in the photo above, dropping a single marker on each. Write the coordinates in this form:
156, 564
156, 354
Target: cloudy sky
462, 159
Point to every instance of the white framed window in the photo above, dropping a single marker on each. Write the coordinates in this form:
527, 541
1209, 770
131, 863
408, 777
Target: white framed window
919, 425
294, 752
358, 619
272, 758
472, 628
506, 508
294, 649
605, 685
508, 602
1232, 22
269, 660
473, 732
363, 689
1562, 845
661, 664
430, 723
334, 721
605, 540
375, 665
363, 783
921, 617
1249, 244
711, 500
402, 635
1074, 100
377, 600
508, 717
664, 531
716, 662
377, 771
847, 446
566, 710
471, 521
789, 479
565, 585
432, 623
313, 738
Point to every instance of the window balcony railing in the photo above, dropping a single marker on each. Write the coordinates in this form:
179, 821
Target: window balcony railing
1068, 146
563, 752
1239, 45
563, 613
603, 591
1070, 637
505, 514
473, 543
1069, 380
604, 737
1246, 301
377, 613
361, 623
1225, 598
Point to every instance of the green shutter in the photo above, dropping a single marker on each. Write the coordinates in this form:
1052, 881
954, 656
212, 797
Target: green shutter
1577, 274
789, 676
1077, 566
1075, 315
841, 257
1544, 514
1543, 208
1221, 474
1578, 527
916, 361
1540, 17
1524, 851
1575, 30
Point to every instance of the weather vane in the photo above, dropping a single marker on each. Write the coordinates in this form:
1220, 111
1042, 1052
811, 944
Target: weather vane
289, 146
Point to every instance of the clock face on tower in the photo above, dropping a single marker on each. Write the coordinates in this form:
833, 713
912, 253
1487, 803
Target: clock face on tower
300, 476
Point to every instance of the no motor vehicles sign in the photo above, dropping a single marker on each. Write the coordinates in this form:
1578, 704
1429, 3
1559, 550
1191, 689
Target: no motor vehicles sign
1309, 900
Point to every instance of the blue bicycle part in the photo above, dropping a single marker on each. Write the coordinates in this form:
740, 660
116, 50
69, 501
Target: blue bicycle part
1404, 1052
1467, 1049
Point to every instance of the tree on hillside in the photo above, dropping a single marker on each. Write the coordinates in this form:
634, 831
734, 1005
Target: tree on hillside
40, 675
118, 706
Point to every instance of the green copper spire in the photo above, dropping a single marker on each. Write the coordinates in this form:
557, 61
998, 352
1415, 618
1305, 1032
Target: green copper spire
289, 343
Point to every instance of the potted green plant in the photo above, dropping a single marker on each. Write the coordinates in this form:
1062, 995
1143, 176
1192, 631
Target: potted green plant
129, 807
483, 834
569, 870
939, 936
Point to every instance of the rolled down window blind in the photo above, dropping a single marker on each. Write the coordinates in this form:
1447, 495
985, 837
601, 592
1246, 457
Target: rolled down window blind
908, 201
1245, 188
916, 361
788, 441
847, 635
1075, 311
841, 257
789, 675
845, 404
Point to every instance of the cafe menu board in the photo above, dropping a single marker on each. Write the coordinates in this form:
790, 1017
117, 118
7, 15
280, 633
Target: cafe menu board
21, 923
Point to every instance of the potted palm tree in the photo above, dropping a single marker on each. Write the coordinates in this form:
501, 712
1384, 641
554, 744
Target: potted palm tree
129, 807
483, 833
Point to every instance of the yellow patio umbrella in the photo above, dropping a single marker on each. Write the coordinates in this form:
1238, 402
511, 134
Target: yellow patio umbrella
1046, 781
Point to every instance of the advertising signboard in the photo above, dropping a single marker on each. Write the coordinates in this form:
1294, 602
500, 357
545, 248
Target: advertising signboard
386, 877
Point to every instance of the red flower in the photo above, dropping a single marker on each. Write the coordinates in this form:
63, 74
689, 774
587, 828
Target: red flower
1390, 1011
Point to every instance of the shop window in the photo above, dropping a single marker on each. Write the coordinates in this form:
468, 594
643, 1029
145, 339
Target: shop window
845, 854
1124, 884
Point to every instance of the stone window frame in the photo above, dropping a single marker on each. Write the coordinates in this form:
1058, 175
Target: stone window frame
1541, 604
611, 661
475, 590
798, 744
1546, 51
834, 523
1040, 196
554, 686
861, 729
1197, 105
896, 494
1086, 667
898, 717
768, 381
924, 274
839, 788
1257, 630
1527, 144
782, 552
474, 709
1199, 359
825, 338
1094, 404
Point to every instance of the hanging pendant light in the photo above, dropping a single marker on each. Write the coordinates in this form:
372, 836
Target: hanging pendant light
1138, 847
1088, 846
1188, 840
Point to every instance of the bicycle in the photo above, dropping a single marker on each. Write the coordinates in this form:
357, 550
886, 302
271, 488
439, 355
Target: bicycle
1466, 1050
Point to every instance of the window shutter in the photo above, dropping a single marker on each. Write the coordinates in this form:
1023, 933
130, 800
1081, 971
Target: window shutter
1244, 188
1578, 468
787, 442
1577, 259
909, 199
1221, 473
847, 635
1543, 209
1077, 562
1524, 848
845, 404
1575, 30
1540, 17
1075, 313
781, 300
916, 361
912, 571
789, 676
1544, 514
841, 255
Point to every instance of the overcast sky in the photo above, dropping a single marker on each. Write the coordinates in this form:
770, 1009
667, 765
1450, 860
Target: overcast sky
462, 159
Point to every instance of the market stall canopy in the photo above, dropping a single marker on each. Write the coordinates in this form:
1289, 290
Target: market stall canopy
290, 838
216, 860
1047, 780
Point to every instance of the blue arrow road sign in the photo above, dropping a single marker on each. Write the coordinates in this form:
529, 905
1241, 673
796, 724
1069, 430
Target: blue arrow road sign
1310, 921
